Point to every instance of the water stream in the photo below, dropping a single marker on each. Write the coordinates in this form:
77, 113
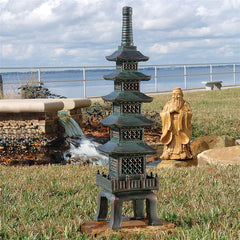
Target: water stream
72, 129
85, 153
82, 150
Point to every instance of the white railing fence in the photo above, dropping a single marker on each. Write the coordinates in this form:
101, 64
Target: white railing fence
163, 76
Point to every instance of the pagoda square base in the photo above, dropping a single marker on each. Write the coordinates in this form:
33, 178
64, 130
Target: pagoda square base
116, 200
129, 227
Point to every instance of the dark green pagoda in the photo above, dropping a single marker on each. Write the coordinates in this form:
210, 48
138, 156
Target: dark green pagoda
127, 179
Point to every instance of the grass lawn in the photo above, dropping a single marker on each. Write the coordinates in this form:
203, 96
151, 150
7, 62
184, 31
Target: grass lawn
51, 202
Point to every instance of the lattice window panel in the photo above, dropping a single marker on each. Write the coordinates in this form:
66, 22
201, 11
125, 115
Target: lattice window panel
117, 86
131, 86
130, 66
131, 108
132, 165
133, 134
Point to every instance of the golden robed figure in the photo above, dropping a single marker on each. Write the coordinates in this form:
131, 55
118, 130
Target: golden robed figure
176, 131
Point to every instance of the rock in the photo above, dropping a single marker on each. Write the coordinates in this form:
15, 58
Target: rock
225, 155
210, 142
87, 160
198, 146
77, 161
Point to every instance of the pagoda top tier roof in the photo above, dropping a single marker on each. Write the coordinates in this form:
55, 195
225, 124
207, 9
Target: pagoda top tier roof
127, 53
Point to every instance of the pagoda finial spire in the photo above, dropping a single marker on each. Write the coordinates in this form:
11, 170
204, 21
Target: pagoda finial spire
127, 33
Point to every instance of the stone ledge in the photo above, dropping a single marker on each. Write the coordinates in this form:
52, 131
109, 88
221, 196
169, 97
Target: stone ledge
27, 105
71, 103
41, 105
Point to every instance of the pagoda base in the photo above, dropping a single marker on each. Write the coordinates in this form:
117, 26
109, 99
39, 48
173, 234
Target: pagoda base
116, 201
143, 183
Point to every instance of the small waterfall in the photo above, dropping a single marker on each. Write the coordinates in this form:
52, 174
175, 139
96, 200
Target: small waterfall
72, 129
82, 150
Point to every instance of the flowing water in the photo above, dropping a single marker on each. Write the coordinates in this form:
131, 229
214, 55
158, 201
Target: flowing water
82, 150
72, 129
86, 152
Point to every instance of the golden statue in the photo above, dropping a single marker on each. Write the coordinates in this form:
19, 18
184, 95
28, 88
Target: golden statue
176, 131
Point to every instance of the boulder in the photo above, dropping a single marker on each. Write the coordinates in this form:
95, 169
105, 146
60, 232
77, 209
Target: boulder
223, 156
211, 142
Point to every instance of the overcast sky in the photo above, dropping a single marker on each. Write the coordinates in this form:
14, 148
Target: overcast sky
83, 32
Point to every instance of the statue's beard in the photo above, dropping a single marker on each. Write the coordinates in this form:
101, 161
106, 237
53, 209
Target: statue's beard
178, 103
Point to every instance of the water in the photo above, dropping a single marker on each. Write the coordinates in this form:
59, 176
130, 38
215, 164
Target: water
82, 150
85, 152
168, 78
72, 129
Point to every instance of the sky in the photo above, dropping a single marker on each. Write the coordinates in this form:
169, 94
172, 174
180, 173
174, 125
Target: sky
82, 32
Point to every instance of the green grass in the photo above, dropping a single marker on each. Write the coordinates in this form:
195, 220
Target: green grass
214, 112
51, 202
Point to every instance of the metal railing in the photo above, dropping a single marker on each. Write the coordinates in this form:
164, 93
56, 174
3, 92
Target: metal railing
184, 72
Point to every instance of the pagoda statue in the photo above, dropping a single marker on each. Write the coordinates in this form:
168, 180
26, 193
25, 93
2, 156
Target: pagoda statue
127, 179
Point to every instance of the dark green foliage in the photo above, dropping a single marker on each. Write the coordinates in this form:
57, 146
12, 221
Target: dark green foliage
34, 91
98, 110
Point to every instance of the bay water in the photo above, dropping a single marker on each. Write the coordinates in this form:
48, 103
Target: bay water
69, 82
